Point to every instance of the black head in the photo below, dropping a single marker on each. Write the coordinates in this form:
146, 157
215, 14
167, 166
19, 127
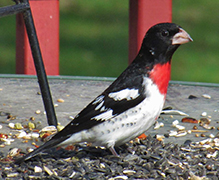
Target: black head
161, 41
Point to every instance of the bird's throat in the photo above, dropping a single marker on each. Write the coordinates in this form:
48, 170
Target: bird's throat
160, 75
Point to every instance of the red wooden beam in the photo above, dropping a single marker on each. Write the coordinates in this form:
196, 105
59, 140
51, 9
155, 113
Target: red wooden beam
46, 20
142, 15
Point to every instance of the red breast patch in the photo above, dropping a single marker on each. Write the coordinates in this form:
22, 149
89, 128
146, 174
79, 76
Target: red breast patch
160, 75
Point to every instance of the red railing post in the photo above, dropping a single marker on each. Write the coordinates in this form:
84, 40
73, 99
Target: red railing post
142, 15
46, 20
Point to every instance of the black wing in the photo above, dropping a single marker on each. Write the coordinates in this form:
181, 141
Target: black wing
104, 107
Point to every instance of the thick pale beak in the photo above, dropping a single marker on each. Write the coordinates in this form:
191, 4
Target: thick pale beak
181, 37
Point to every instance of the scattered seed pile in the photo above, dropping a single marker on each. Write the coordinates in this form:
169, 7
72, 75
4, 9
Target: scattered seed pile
152, 159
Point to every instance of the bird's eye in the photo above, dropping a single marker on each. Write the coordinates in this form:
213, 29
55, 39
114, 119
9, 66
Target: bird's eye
165, 33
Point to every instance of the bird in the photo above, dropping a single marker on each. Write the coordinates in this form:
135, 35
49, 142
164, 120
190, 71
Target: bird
132, 103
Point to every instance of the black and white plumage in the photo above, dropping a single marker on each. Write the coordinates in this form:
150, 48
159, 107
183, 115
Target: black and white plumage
132, 103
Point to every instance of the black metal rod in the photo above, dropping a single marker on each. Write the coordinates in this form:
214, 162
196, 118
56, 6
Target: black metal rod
40, 70
13, 9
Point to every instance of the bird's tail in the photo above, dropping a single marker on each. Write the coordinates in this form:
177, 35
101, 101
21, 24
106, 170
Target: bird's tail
49, 144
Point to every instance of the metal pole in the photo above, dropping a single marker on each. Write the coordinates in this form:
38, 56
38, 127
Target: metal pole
14, 9
40, 70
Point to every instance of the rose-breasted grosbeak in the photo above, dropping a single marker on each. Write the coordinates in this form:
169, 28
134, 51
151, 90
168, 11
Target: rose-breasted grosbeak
132, 103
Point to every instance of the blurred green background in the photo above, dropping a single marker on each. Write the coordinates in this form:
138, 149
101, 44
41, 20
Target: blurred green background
94, 39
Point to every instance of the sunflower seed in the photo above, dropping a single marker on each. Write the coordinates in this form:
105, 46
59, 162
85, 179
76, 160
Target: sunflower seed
207, 96
37, 169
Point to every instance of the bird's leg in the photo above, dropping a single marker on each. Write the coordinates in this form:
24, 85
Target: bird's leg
113, 151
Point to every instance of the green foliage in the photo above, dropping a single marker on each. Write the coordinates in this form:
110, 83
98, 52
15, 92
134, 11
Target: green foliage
199, 60
94, 39
7, 45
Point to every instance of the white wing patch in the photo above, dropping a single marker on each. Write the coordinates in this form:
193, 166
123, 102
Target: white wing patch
99, 102
104, 116
98, 99
127, 94
106, 112
99, 106
103, 108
